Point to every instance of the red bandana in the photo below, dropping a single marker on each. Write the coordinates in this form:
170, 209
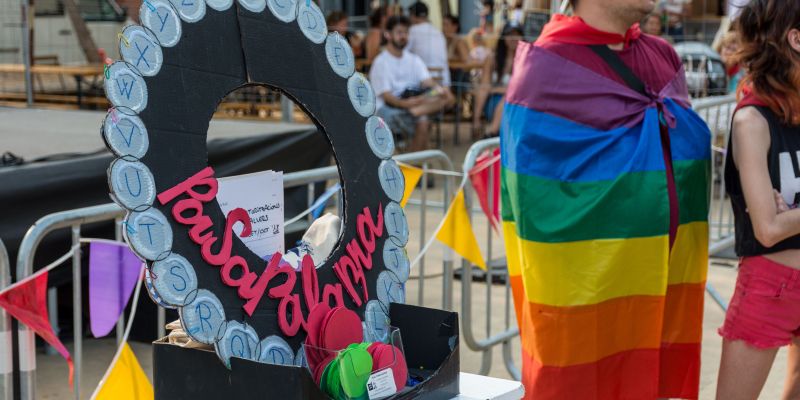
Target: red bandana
574, 30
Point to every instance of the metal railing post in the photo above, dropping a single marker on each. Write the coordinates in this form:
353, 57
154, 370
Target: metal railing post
120, 328
27, 21
6, 343
52, 304
287, 109
77, 309
447, 258
423, 207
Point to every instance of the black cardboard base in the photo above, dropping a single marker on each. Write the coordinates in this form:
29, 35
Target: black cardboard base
430, 341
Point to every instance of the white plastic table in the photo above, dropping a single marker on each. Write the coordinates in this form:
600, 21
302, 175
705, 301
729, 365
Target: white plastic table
479, 387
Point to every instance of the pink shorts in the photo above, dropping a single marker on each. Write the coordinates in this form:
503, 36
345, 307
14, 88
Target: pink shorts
765, 308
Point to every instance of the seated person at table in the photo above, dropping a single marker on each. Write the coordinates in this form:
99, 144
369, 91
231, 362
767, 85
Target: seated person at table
428, 42
405, 92
490, 94
337, 22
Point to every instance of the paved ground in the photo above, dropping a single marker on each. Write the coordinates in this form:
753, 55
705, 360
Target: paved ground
18, 127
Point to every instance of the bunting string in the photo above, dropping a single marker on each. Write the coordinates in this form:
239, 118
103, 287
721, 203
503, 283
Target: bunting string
39, 272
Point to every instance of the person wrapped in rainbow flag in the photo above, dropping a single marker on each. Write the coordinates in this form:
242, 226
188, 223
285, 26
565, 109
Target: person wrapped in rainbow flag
605, 174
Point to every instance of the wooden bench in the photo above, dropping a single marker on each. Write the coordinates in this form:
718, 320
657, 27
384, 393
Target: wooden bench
79, 72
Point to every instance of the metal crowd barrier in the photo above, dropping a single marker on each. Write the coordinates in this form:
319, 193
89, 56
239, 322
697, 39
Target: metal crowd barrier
510, 329
6, 344
717, 112
75, 219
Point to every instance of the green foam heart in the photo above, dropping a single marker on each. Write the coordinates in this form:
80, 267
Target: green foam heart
355, 366
333, 384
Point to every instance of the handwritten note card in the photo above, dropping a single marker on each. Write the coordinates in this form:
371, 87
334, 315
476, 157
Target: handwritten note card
261, 195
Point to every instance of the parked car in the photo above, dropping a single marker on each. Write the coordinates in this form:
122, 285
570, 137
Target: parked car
705, 72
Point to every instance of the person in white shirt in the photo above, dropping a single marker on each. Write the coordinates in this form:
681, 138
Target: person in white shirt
428, 42
404, 89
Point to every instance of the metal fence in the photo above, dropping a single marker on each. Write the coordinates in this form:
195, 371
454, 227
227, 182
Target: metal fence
75, 219
510, 329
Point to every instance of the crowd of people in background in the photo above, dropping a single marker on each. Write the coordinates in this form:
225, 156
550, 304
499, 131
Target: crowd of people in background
476, 66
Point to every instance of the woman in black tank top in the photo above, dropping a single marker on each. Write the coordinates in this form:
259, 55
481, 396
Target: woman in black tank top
762, 176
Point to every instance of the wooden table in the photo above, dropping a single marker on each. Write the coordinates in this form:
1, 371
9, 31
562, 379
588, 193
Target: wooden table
79, 72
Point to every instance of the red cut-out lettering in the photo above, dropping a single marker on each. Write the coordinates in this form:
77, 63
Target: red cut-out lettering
236, 215
290, 328
365, 224
247, 278
308, 272
345, 268
252, 287
196, 231
256, 292
333, 292
199, 221
357, 254
200, 179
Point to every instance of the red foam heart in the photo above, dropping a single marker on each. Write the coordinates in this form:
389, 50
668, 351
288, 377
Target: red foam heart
388, 356
313, 326
342, 329
320, 368
320, 335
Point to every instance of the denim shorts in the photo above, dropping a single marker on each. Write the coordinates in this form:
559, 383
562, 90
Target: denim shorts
400, 121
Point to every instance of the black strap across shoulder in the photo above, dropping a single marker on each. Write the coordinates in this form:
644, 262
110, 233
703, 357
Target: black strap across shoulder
615, 62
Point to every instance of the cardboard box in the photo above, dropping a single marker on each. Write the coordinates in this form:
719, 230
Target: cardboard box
430, 341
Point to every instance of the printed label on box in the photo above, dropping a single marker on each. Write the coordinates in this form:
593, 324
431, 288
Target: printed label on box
381, 384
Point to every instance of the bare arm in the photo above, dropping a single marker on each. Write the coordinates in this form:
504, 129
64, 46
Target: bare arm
430, 83
751, 142
482, 91
397, 102
373, 44
462, 50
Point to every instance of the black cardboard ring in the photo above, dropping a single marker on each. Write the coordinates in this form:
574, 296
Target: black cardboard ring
223, 51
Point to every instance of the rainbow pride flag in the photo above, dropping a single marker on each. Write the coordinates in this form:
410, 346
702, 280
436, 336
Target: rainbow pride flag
606, 310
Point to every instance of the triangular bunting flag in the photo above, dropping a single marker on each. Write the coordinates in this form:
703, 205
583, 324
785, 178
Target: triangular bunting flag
28, 304
113, 271
126, 380
456, 232
479, 176
411, 176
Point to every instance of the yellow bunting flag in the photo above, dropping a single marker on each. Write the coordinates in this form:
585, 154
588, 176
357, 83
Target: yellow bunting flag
126, 380
411, 176
456, 232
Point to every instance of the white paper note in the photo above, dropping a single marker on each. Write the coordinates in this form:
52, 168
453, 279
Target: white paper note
261, 195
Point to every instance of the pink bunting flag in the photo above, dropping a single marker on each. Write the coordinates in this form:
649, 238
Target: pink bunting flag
488, 163
113, 271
